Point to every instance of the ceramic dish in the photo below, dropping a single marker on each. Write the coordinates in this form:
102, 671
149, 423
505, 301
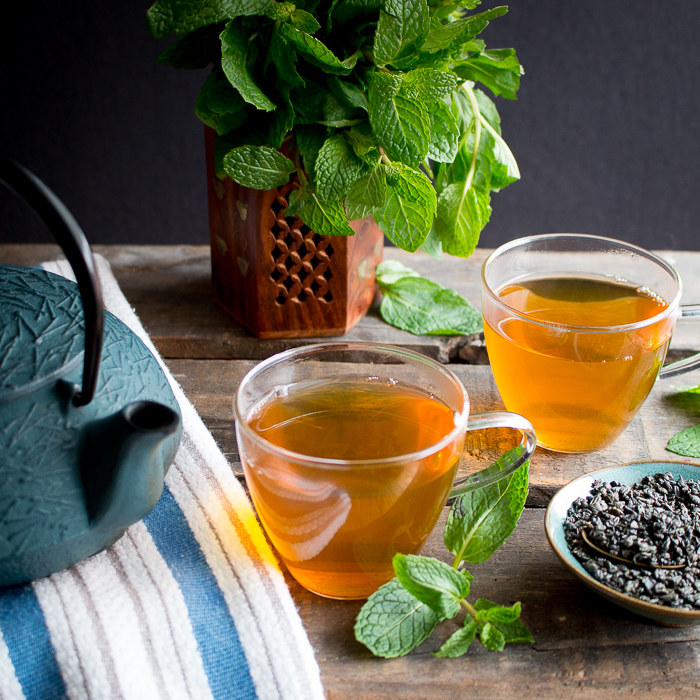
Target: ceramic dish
627, 474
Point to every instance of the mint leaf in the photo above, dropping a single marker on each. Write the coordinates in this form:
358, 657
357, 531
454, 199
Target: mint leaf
488, 110
444, 134
284, 58
316, 52
480, 521
432, 246
499, 70
431, 85
392, 621
281, 10
460, 32
234, 54
458, 644
498, 614
400, 123
194, 51
304, 21
390, 271
219, 105
492, 638
686, 443
514, 632
402, 23
309, 140
324, 218
258, 167
166, 17
504, 167
366, 194
282, 122
336, 168
408, 211
422, 307
353, 95
432, 582
461, 215
364, 143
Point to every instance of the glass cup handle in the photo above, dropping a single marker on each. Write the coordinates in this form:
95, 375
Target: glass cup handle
506, 464
675, 368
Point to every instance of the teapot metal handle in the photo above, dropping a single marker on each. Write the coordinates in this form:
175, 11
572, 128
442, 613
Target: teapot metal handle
71, 238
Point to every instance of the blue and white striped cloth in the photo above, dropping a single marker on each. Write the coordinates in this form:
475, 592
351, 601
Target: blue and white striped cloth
188, 604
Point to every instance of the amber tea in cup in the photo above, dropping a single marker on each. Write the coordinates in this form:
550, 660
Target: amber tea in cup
350, 453
577, 328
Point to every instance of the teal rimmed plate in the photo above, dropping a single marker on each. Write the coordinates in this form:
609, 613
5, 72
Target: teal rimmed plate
627, 474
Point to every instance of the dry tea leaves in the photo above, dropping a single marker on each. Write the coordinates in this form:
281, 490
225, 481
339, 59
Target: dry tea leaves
653, 522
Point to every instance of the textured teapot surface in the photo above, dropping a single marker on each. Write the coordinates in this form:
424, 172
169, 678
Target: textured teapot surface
41, 328
45, 519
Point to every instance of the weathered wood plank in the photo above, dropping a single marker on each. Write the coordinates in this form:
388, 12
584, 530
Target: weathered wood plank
211, 386
169, 286
584, 647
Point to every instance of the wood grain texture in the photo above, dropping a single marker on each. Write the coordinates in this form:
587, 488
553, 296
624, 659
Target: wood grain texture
170, 288
211, 386
273, 274
584, 647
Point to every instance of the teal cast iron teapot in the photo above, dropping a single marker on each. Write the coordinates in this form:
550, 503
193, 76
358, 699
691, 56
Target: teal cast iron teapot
88, 422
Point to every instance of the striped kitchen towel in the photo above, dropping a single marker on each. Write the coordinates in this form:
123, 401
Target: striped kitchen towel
189, 603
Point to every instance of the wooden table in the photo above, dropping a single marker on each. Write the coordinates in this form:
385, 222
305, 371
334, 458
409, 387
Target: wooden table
585, 647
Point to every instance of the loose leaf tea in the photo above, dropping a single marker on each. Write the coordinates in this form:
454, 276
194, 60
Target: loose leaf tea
654, 522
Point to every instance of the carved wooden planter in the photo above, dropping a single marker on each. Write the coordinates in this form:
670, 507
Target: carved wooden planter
276, 276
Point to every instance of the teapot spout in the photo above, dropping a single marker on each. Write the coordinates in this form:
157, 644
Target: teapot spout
123, 464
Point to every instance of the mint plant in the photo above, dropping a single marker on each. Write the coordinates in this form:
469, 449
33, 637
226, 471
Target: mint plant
404, 612
371, 104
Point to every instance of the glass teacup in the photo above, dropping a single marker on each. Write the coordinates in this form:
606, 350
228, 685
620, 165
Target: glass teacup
577, 328
350, 452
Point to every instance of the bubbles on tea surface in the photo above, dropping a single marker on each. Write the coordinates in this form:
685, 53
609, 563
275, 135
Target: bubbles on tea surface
651, 294
371, 379
282, 392
392, 382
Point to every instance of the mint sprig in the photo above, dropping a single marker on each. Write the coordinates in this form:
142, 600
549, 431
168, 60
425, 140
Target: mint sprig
404, 612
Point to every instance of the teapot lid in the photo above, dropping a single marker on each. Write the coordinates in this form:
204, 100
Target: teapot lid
42, 329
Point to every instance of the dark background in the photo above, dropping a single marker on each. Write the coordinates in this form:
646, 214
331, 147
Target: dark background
605, 129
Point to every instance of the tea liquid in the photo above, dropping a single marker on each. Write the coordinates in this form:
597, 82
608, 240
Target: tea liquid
338, 527
579, 389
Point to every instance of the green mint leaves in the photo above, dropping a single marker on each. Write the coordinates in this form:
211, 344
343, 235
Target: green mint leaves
392, 621
480, 521
687, 442
258, 167
386, 87
404, 612
432, 582
423, 307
